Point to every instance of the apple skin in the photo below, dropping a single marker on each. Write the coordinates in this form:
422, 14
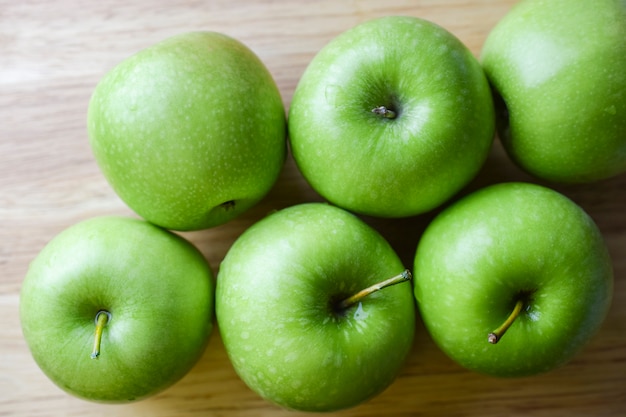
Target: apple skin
189, 132
158, 289
495, 246
274, 297
398, 167
559, 69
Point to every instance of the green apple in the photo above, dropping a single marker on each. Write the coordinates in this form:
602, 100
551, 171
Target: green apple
299, 314
116, 309
189, 132
391, 118
559, 70
516, 258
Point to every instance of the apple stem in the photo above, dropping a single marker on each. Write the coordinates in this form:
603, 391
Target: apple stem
355, 298
384, 112
495, 336
102, 318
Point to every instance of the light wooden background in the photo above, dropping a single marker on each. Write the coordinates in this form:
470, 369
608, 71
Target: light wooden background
52, 54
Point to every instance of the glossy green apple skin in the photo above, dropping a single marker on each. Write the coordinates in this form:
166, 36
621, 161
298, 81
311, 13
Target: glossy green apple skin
158, 289
391, 167
502, 243
560, 68
275, 292
190, 132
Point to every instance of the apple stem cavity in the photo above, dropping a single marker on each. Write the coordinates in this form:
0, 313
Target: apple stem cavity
495, 336
102, 318
384, 112
355, 298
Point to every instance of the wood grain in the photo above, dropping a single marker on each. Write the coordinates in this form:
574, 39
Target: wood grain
52, 54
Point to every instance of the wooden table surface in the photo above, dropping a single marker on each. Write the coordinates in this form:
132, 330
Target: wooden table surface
52, 54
